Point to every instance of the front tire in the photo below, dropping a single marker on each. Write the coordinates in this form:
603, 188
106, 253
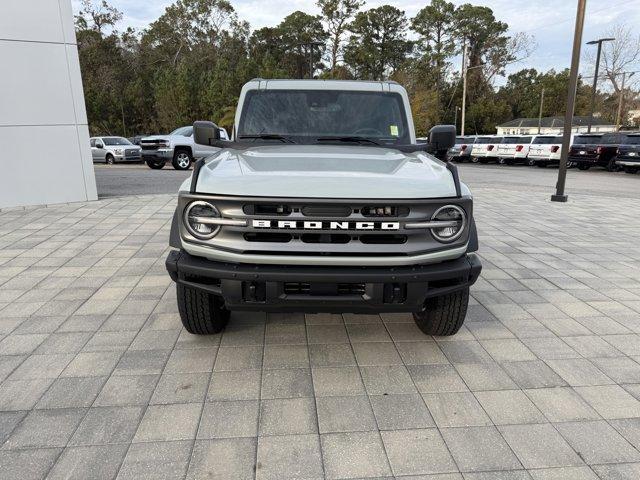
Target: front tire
474, 159
443, 315
109, 160
201, 313
155, 164
181, 160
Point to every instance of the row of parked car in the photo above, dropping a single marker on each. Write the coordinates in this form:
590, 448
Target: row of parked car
613, 151
177, 148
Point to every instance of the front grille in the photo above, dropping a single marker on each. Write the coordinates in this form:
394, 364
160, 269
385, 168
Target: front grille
317, 228
151, 145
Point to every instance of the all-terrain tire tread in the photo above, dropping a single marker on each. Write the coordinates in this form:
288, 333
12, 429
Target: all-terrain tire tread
444, 315
198, 311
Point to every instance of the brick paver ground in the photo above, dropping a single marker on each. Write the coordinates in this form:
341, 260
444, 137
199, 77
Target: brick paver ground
99, 380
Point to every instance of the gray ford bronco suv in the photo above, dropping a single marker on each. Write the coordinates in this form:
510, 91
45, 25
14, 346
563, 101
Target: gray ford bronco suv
323, 202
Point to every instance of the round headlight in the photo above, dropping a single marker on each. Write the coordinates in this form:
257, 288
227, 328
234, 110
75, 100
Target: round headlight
196, 217
456, 222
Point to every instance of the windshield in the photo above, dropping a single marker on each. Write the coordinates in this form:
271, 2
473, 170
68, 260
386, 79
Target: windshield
304, 116
116, 141
586, 139
184, 131
632, 140
547, 140
524, 139
511, 140
483, 140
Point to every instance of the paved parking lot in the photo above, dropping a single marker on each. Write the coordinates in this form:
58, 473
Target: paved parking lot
99, 380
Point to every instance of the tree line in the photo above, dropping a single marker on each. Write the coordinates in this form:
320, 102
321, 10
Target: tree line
192, 61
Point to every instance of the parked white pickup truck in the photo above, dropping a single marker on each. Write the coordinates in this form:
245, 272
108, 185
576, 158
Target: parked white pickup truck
177, 147
323, 202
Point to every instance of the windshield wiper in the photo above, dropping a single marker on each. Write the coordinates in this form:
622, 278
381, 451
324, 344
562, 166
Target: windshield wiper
268, 136
347, 139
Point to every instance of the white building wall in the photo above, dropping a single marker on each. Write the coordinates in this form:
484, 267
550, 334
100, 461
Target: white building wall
44, 137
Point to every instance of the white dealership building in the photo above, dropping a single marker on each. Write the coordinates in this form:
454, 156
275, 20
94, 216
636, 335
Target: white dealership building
44, 138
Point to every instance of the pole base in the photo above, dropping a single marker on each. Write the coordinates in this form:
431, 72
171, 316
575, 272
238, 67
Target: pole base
559, 198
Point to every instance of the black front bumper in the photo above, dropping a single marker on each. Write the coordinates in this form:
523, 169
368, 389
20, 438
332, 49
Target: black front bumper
294, 288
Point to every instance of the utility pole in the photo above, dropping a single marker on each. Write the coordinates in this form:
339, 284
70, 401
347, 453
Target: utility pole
598, 42
464, 87
455, 122
571, 101
621, 100
540, 114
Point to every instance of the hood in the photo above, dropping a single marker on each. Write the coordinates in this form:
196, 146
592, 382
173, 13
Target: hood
325, 171
155, 137
122, 147
168, 138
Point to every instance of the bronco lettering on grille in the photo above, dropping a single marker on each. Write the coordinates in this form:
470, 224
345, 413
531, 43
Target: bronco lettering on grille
324, 225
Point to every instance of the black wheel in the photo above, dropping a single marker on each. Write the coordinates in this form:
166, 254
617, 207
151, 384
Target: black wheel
502, 161
628, 169
444, 315
611, 166
155, 164
109, 160
583, 166
181, 159
474, 159
530, 162
508, 161
201, 313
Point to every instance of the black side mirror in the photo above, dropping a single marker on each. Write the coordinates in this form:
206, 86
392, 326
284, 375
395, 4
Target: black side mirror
99, 145
205, 133
442, 138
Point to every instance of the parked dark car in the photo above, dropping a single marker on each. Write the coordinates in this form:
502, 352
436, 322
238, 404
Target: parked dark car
591, 150
628, 154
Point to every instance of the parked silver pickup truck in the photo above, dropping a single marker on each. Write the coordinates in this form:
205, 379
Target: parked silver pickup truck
177, 147
112, 150
323, 202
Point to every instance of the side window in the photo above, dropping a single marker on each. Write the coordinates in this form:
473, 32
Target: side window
93, 142
99, 143
607, 139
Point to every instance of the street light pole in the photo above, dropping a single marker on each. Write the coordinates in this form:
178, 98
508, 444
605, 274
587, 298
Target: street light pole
571, 101
621, 99
540, 113
464, 87
598, 42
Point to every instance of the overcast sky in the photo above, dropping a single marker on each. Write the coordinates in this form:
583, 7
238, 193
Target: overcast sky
550, 21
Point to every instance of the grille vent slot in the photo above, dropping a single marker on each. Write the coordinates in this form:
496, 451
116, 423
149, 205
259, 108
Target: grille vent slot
342, 289
267, 209
385, 211
275, 237
326, 210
